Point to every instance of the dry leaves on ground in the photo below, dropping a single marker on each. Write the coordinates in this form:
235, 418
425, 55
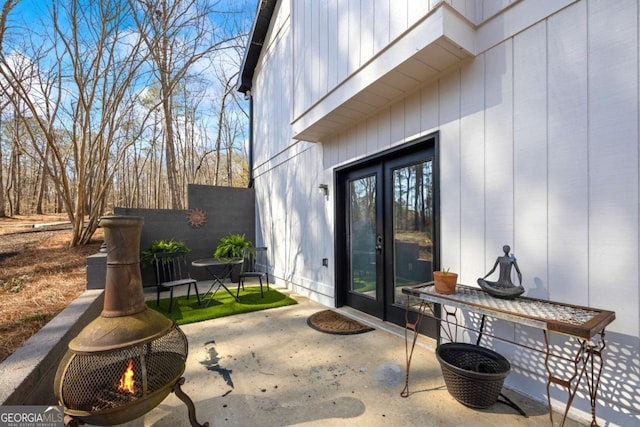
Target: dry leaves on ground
39, 276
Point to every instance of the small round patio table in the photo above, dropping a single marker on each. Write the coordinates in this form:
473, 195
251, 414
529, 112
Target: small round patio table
219, 269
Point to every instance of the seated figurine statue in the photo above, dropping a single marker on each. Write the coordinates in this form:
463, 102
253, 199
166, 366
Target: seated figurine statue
504, 287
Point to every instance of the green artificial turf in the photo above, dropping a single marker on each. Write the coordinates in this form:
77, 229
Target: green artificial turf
187, 310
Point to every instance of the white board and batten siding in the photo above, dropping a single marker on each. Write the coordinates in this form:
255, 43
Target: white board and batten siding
613, 158
335, 38
568, 157
538, 149
536, 152
472, 171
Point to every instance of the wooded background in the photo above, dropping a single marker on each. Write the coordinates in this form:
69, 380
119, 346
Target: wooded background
123, 103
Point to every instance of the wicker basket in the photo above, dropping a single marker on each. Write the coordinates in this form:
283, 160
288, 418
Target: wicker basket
474, 375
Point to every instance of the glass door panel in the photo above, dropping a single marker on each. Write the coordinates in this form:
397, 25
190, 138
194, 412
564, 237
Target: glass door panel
362, 235
413, 225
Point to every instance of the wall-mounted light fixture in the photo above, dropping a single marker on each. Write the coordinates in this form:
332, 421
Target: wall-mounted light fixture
324, 189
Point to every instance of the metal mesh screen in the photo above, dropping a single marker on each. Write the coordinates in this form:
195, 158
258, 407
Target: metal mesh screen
92, 382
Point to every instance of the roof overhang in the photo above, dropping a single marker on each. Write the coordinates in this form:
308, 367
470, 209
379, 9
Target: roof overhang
440, 41
256, 40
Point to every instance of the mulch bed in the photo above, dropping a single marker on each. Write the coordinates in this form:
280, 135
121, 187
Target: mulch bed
39, 276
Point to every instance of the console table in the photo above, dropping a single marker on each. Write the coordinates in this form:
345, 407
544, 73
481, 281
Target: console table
584, 324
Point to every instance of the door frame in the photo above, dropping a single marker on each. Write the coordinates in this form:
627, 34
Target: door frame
341, 266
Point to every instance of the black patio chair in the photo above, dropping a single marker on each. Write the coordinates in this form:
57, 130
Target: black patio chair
172, 271
254, 266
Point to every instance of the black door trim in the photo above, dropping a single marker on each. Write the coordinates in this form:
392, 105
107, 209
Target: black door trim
341, 273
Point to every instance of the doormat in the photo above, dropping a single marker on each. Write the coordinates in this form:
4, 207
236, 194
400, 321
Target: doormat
335, 323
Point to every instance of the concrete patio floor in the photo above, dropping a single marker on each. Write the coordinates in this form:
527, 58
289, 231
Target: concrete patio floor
269, 368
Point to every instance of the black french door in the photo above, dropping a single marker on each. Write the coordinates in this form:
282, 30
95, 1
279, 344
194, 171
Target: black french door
387, 229
365, 240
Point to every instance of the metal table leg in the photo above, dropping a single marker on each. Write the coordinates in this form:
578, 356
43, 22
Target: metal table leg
218, 280
413, 326
588, 359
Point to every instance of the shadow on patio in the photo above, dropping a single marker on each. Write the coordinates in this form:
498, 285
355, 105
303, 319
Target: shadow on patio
269, 368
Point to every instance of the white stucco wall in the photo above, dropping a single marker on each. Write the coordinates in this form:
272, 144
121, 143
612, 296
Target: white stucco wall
539, 150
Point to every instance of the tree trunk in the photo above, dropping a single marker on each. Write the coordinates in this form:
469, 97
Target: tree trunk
43, 185
6, 9
172, 173
14, 186
3, 211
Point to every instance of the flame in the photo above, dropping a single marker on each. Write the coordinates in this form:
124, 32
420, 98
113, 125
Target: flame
127, 384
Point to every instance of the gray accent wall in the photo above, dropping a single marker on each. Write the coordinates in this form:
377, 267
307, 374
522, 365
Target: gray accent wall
228, 210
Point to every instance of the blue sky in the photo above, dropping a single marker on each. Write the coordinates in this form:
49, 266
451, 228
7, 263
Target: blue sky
34, 13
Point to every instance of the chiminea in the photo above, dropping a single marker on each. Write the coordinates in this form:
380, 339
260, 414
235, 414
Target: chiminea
127, 360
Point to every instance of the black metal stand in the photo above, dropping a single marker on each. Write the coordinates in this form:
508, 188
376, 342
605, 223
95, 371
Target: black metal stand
422, 308
187, 401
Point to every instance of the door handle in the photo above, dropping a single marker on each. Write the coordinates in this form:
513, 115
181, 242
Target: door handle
379, 244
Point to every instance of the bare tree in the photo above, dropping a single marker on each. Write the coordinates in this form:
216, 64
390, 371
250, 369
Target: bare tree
79, 89
14, 187
7, 6
42, 188
3, 211
178, 34
136, 93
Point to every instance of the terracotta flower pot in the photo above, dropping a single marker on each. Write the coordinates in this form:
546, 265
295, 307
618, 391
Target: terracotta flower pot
445, 283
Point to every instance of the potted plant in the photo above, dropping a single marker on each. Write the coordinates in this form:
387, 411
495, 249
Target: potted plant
158, 246
232, 246
445, 281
